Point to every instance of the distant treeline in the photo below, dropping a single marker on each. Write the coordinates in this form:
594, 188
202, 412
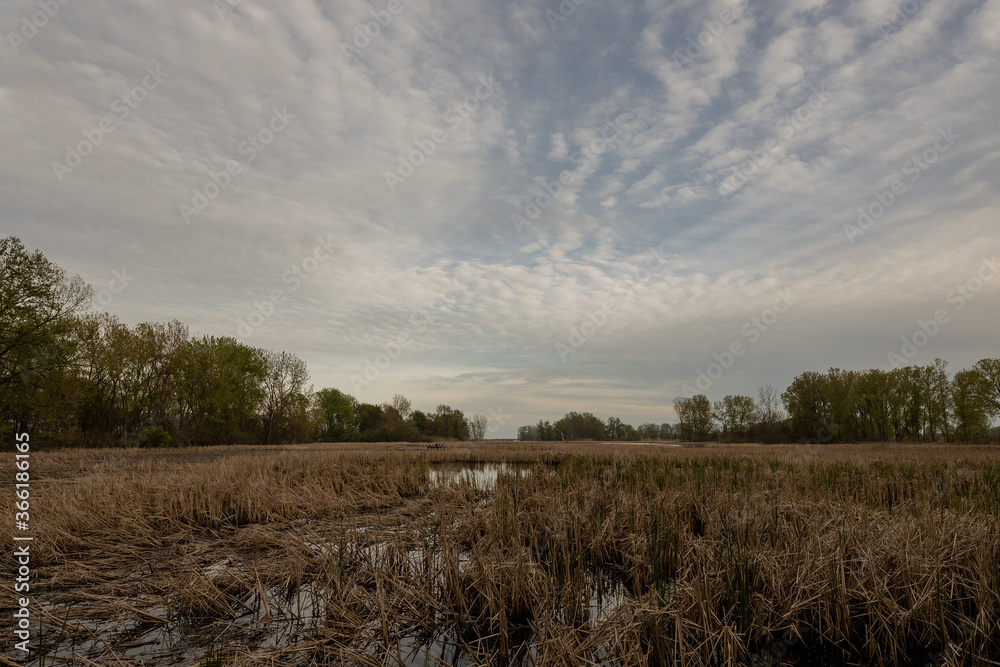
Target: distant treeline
585, 426
73, 377
909, 403
77, 378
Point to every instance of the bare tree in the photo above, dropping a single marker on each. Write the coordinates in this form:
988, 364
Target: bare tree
284, 382
769, 411
477, 427
402, 405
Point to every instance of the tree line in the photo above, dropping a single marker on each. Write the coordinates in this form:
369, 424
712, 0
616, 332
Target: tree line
586, 426
73, 377
908, 403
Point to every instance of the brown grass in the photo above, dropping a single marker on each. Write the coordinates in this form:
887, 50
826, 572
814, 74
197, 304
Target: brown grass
631, 555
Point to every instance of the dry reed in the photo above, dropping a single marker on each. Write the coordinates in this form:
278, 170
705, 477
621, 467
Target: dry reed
586, 553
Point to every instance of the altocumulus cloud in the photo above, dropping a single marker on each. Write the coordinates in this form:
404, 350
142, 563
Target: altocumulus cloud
696, 94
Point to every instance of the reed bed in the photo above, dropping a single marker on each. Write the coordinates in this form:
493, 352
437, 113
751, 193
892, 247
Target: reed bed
578, 554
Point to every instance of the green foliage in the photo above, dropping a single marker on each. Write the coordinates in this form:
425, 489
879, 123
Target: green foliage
910, 403
39, 307
335, 415
154, 436
735, 415
219, 391
695, 419
579, 426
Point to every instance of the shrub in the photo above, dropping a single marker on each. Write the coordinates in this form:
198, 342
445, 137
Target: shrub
154, 436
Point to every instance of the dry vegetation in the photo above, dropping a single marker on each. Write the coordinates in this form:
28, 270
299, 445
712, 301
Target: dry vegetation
583, 554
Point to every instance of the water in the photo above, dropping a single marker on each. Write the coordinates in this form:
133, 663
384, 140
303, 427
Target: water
479, 475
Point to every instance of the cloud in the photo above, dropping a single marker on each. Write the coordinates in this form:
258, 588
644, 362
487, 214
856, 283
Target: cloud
693, 93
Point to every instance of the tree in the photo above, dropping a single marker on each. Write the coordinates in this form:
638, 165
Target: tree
808, 404
971, 398
694, 417
402, 406
100, 374
218, 391
735, 415
477, 427
39, 307
335, 416
449, 423
579, 426
149, 354
369, 419
527, 433
768, 416
648, 431
939, 401
422, 421
989, 370
284, 386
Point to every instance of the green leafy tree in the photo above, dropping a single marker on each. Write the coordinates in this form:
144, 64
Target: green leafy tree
808, 404
648, 431
335, 416
39, 309
694, 417
973, 407
369, 419
527, 433
219, 392
450, 423
735, 415
579, 426
989, 371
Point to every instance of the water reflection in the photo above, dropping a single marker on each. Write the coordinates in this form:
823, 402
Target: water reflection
480, 475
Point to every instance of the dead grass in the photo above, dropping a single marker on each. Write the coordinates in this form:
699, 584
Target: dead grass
631, 555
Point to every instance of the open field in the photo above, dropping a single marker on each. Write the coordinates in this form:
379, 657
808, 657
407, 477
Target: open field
531, 553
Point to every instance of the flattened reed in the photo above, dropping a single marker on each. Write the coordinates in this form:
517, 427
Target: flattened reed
630, 555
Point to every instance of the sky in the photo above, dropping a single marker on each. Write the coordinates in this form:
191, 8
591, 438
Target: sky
521, 208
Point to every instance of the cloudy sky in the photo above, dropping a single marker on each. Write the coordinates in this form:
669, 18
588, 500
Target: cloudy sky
524, 207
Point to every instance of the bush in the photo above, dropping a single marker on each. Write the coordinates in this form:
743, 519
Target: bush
154, 436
